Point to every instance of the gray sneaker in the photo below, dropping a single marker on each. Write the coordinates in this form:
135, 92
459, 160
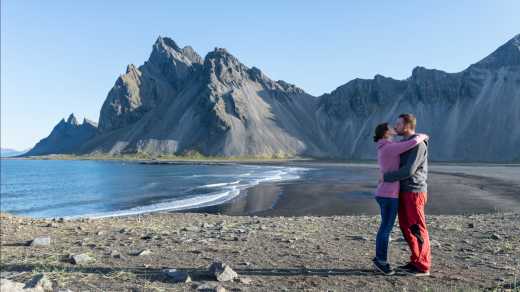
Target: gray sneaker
383, 268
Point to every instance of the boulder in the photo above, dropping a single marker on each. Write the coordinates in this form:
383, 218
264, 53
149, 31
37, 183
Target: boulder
41, 241
222, 272
81, 259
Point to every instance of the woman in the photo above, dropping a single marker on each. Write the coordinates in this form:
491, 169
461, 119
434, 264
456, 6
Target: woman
387, 194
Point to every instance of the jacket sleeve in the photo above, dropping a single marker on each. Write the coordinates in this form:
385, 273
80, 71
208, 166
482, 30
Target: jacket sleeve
415, 158
396, 148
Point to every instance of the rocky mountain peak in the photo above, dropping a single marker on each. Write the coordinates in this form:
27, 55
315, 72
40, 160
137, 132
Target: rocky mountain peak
166, 43
165, 50
131, 68
72, 120
506, 55
89, 122
222, 66
190, 53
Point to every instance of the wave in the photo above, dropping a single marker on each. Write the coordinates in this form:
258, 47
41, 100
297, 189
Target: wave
229, 190
218, 185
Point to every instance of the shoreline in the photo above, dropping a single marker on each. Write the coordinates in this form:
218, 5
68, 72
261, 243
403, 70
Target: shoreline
469, 252
244, 160
332, 189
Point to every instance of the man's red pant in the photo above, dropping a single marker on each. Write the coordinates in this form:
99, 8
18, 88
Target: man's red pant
413, 225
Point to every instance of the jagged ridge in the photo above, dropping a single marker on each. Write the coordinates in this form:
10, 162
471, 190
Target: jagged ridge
178, 101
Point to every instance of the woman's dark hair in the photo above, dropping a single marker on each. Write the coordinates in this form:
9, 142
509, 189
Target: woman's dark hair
380, 131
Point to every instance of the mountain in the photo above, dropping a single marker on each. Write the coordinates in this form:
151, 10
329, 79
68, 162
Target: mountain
178, 102
8, 152
471, 115
67, 137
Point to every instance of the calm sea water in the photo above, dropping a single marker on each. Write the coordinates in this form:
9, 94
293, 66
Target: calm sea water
57, 188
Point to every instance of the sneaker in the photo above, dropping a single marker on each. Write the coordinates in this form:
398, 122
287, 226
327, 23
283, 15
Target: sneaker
383, 268
408, 266
416, 272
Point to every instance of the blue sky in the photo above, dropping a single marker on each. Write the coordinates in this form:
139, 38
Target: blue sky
59, 57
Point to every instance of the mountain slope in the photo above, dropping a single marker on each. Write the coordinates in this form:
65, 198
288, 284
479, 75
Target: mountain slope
66, 137
471, 115
216, 107
7, 152
178, 102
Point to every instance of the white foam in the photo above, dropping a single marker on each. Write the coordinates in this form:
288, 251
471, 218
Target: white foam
231, 190
219, 185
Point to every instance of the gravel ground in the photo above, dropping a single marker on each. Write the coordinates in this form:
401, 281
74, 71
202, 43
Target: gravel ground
470, 252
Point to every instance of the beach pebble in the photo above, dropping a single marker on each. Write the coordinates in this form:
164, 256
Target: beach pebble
496, 236
245, 280
190, 228
210, 287
222, 272
115, 254
177, 276
142, 252
81, 259
41, 241
39, 282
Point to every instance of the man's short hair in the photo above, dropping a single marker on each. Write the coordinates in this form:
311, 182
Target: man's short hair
409, 119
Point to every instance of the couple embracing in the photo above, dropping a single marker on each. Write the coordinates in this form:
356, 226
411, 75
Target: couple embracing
401, 191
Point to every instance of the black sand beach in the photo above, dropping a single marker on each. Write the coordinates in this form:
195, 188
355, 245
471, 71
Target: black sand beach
329, 189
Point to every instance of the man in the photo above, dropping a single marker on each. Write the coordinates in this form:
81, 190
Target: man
412, 175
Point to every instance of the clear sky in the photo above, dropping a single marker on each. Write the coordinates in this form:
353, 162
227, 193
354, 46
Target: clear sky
59, 57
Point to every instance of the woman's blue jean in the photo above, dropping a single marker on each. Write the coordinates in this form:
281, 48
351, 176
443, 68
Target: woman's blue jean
388, 208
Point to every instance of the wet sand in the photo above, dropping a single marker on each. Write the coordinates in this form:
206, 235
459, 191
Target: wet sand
347, 189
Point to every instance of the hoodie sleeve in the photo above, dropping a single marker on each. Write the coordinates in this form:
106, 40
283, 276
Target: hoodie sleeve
396, 148
415, 158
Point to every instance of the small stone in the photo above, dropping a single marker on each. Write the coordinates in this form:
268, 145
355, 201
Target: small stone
115, 254
207, 225
496, 236
190, 228
142, 252
39, 282
471, 225
207, 287
99, 233
41, 241
177, 276
222, 272
245, 281
81, 259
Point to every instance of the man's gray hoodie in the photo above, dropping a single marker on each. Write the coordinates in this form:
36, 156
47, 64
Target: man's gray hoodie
413, 169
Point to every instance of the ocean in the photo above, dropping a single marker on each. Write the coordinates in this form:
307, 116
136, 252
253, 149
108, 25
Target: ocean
85, 188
